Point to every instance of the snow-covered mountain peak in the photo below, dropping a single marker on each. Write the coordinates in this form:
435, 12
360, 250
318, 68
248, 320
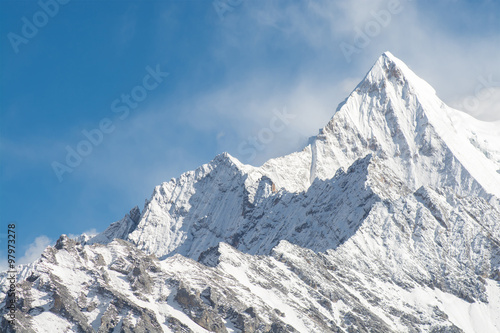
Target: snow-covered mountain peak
389, 85
226, 159
389, 70
387, 221
395, 114
402, 137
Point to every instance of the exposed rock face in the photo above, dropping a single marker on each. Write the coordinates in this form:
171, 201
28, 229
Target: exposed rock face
388, 221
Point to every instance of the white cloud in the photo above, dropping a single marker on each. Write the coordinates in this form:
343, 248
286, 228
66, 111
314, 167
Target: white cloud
242, 105
32, 253
35, 249
90, 232
242, 111
450, 60
484, 104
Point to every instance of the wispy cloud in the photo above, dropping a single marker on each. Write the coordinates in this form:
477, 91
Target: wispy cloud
309, 74
127, 29
321, 82
90, 232
35, 249
483, 104
31, 254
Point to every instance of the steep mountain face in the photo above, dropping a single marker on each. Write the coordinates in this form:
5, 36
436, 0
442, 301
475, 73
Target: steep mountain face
388, 221
397, 115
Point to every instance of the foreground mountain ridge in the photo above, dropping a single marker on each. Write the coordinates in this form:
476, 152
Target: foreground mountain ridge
387, 221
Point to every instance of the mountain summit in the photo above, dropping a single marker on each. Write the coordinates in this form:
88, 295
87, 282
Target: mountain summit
397, 115
387, 221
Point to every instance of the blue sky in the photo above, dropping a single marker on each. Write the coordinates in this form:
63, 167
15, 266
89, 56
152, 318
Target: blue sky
232, 66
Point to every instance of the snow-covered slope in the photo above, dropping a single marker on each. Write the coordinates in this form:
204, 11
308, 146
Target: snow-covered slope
388, 221
392, 114
398, 115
